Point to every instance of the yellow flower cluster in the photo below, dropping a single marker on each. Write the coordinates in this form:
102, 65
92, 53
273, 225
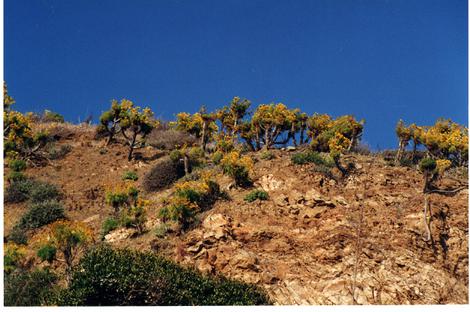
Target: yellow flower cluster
442, 165
233, 159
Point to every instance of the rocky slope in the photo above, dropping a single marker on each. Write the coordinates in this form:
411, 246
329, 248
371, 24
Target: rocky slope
315, 241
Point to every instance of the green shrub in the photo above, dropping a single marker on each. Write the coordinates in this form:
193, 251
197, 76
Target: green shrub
54, 152
267, 155
43, 191
108, 225
19, 191
18, 236
24, 189
117, 199
15, 176
162, 229
29, 288
130, 175
176, 155
217, 157
124, 277
49, 116
40, 214
256, 194
311, 157
47, 253
17, 165
162, 175
427, 165
177, 212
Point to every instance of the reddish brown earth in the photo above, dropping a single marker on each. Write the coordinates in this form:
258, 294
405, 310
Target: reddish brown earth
315, 241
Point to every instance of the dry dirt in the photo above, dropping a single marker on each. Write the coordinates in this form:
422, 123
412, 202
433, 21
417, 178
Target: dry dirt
315, 241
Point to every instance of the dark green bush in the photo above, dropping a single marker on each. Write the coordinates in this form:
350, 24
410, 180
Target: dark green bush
58, 152
40, 214
18, 236
256, 194
130, 175
311, 157
17, 165
15, 176
19, 191
427, 165
47, 253
29, 288
109, 225
124, 277
162, 175
43, 191
267, 155
49, 116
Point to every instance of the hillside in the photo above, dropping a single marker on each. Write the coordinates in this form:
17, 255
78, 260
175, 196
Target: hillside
314, 241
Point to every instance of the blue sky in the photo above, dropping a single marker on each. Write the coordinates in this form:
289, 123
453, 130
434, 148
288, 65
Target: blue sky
376, 59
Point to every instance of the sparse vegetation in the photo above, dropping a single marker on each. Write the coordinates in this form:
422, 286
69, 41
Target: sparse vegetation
108, 225
130, 175
256, 194
17, 165
35, 288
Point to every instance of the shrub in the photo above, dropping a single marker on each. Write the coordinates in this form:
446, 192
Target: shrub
256, 194
49, 116
40, 214
15, 176
108, 225
13, 255
47, 253
310, 157
117, 199
18, 236
19, 191
427, 165
54, 152
267, 155
238, 168
124, 277
162, 175
17, 165
29, 288
130, 175
43, 191
168, 139
217, 157
162, 229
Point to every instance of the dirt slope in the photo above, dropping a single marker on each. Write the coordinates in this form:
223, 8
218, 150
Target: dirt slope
315, 241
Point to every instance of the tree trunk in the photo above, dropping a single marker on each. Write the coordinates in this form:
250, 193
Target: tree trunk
186, 163
203, 137
399, 155
266, 139
427, 223
132, 146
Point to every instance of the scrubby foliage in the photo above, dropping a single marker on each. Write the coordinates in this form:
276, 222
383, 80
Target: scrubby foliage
162, 175
129, 120
41, 213
47, 253
123, 277
256, 194
34, 288
238, 167
17, 165
108, 225
190, 198
130, 175
310, 157
22, 189
167, 138
13, 255
201, 124
443, 140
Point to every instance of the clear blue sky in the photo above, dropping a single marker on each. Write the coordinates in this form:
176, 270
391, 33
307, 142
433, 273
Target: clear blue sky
377, 59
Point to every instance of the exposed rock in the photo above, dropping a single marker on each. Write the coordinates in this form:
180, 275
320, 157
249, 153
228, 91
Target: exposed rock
268, 183
244, 260
119, 234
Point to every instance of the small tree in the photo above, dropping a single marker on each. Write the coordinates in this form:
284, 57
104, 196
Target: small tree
129, 120
69, 238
